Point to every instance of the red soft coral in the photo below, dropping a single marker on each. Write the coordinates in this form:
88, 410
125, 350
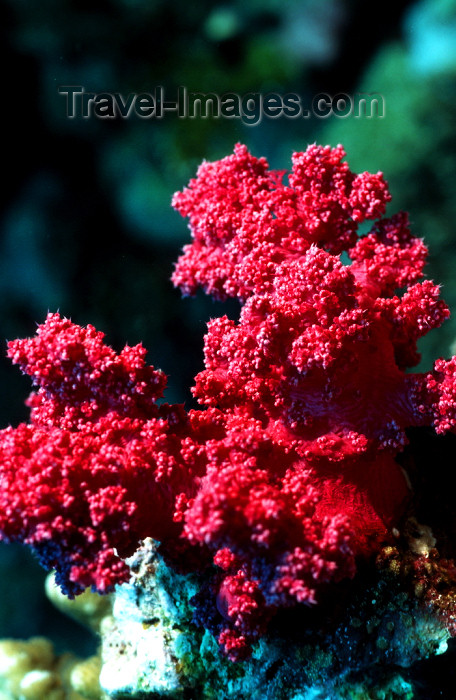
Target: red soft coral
245, 220
80, 378
288, 473
93, 473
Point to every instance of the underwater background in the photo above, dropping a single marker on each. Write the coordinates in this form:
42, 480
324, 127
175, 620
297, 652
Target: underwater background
86, 222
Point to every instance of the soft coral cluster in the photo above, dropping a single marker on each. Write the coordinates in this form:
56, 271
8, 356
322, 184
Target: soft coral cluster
91, 474
288, 472
245, 220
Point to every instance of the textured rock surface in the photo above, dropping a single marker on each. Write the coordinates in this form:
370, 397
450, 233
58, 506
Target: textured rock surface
152, 649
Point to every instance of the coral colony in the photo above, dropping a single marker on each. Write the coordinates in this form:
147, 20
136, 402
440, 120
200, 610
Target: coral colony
281, 522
